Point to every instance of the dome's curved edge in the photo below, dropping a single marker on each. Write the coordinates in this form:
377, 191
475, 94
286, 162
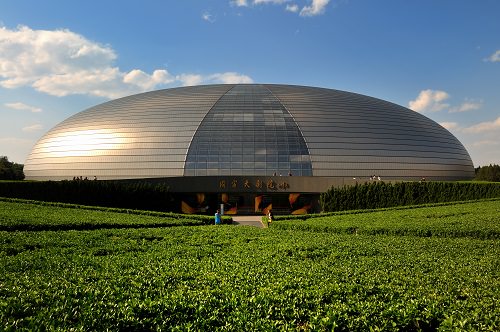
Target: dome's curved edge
358, 96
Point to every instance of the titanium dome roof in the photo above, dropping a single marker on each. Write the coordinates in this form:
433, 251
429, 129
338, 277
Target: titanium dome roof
248, 129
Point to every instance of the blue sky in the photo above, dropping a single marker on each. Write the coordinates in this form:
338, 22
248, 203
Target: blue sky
439, 58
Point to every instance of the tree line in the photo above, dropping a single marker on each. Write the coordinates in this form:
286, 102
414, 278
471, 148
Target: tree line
488, 173
10, 170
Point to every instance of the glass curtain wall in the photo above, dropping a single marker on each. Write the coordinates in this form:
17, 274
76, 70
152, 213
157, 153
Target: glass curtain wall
248, 132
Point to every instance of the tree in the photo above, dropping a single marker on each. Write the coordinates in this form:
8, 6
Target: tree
10, 170
488, 173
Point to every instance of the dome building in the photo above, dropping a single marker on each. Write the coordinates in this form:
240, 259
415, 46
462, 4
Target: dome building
249, 146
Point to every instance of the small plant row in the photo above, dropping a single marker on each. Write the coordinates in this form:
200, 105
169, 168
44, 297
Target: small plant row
18, 215
480, 219
392, 208
381, 195
246, 279
204, 218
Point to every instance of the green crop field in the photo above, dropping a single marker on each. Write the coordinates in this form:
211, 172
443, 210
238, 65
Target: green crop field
429, 268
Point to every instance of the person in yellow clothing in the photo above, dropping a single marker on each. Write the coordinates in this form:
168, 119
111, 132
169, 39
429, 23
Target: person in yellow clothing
269, 217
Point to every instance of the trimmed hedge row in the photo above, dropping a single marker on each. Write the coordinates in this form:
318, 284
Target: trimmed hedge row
392, 208
141, 195
381, 195
473, 219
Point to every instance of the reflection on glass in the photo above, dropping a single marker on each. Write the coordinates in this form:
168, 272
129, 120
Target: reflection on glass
256, 133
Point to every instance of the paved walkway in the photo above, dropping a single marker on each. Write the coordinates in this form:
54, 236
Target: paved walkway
248, 221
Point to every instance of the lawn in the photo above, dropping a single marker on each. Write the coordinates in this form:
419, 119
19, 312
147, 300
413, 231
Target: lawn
432, 268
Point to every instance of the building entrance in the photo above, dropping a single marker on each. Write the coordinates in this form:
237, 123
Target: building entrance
250, 203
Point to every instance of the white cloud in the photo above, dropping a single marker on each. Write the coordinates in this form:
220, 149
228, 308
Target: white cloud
190, 79
33, 128
495, 57
274, 2
449, 125
239, 3
294, 8
103, 82
208, 17
147, 82
230, 78
483, 127
62, 63
246, 3
484, 150
481, 140
218, 78
23, 107
429, 101
317, 7
26, 55
485, 143
468, 105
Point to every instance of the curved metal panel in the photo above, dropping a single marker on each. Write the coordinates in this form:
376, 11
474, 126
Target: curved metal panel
373, 137
248, 130
159, 123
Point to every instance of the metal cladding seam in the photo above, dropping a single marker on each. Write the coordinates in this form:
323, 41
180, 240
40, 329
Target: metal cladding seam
313, 131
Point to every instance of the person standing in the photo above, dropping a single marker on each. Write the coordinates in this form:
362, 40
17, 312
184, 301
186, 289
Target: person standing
217, 217
269, 217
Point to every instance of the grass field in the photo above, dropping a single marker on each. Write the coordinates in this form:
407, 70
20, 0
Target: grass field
431, 268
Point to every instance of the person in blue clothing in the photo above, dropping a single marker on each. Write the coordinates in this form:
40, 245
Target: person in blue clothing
217, 218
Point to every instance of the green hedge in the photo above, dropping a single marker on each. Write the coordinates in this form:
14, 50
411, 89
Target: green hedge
140, 195
380, 194
472, 219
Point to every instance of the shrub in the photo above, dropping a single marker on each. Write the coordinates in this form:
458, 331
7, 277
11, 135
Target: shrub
137, 195
380, 194
10, 170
